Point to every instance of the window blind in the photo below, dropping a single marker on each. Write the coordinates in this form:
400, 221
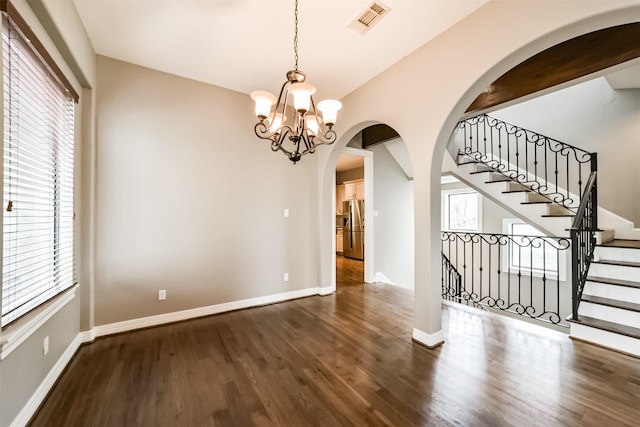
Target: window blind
38, 161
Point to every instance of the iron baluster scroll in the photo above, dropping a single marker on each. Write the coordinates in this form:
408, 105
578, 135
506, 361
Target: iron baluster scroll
583, 241
523, 275
544, 165
451, 280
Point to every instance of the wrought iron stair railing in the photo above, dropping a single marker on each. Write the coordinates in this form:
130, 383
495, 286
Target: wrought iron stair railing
546, 166
583, 240
523, 275
549, 167
451, 280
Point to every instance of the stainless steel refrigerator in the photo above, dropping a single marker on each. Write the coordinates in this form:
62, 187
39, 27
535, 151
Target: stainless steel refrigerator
353, 232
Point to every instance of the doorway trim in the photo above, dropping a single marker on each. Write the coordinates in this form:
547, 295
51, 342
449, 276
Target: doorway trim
369, 267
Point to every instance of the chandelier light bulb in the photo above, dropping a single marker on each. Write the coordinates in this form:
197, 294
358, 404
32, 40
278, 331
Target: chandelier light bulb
329, 109
264, 100
278, 119
312, 125
301, 93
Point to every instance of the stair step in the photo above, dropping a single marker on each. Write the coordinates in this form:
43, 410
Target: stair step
626, 283
616, 328
505, 179
621, 263
623, 305
617, 253
618, 270
625, 339
622, 243
616, 291
537, 202
558, 216
622, 312
524, 190
477, 172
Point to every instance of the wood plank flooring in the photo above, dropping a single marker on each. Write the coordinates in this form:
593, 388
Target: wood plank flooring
344, 360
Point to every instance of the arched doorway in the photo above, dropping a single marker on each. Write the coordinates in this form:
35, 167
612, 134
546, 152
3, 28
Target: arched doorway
385, 197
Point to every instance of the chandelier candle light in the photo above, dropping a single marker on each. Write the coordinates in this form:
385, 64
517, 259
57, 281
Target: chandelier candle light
295, 129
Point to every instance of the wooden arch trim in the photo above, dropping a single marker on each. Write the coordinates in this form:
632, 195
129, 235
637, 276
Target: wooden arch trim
563, 62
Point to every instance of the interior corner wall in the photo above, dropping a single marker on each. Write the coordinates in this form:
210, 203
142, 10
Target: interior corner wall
393, 201
596, 118
189, 200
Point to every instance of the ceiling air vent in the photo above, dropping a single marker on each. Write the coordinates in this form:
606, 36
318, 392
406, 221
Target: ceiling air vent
369, 17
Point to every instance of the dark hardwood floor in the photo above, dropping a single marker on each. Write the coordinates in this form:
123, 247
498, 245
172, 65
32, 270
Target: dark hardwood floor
349, 272
340, 360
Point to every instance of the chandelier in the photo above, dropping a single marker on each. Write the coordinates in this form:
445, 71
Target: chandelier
295, 129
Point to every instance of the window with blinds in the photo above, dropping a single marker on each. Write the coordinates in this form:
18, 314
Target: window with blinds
37, 234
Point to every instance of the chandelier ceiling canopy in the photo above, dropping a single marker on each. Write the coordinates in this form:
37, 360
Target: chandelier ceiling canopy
292, 122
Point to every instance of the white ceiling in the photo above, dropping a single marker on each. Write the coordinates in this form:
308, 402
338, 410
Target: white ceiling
248, 44
349, 161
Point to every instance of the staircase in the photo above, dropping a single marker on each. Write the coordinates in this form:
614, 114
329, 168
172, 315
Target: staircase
511, 166
548, 216
609, 313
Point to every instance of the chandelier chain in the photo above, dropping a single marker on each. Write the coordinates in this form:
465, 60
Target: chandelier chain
295, 36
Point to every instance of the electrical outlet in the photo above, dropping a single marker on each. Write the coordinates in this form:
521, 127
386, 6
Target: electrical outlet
286, 213
45, 346
162, 294
286, 277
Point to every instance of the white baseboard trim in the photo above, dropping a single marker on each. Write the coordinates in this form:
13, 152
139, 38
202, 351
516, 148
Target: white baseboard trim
176, 316
41, 392
380, 277
88, 336
428, 340
327, 290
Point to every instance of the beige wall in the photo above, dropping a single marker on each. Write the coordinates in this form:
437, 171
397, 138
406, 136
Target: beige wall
189, 200
393, 201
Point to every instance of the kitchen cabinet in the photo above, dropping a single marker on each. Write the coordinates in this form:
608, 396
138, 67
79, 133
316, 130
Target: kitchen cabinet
360, 190
339, 199
339, 240
354, 190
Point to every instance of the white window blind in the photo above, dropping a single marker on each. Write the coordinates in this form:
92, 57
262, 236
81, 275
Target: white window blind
37, 179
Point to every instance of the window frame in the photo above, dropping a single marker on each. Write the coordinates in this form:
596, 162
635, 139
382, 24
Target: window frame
559, 274
18, 330
445, 215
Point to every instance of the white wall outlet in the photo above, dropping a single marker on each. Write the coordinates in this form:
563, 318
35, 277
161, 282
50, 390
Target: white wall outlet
162, 294
45, 346
286, 277
286, 213
375, 213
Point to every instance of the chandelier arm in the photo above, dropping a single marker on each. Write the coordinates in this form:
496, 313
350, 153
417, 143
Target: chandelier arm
325, 138
261, 130
272, 115
277, 142
308, 143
